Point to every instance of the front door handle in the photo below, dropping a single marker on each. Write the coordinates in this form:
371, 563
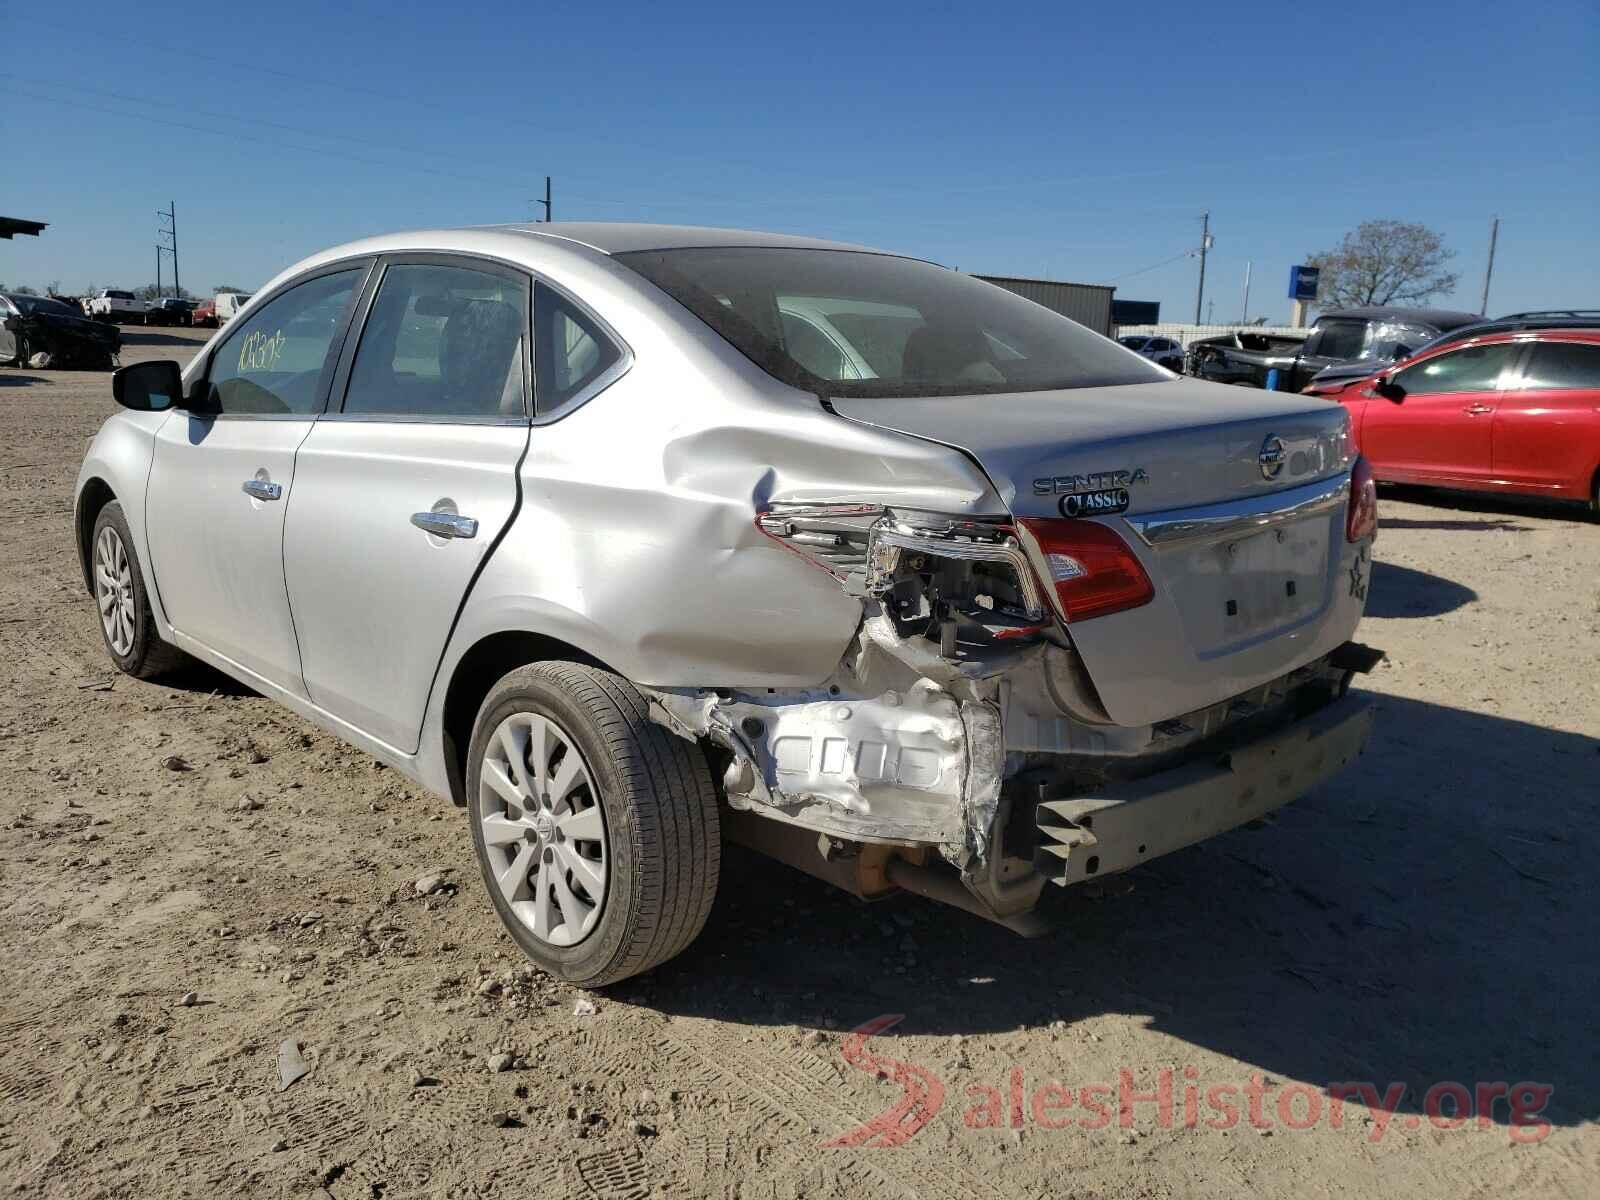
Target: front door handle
1478, 409
262, 489
447, 525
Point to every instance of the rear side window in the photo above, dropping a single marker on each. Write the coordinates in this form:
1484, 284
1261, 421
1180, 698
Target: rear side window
571, 350
1563, 365
857, 324
272, 364
442, 343
1471, 369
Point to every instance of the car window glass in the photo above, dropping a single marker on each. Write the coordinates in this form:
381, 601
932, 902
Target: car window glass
1470, 369
920, 329
1563, 365
1342, 339
273, 362
1389, 336
571, 350
810, 347
441, 342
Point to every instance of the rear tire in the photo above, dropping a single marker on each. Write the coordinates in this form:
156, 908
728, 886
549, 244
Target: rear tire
127, 625
601, 867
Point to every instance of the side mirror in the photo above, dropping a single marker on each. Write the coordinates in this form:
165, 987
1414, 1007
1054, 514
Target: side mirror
1388, 389
149, 386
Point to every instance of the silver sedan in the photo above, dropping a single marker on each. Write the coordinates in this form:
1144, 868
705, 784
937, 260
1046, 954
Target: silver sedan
630, 540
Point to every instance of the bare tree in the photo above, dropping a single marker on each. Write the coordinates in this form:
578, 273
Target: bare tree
1384, 262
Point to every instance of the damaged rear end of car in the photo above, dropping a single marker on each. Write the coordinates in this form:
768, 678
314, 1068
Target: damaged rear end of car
1146, 641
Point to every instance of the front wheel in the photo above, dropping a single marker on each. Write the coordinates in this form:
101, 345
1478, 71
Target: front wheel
126, 622
596, 830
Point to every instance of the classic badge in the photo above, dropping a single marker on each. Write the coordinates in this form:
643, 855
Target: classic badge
1094, 504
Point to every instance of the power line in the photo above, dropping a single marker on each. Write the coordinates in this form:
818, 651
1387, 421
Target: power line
190, 110
121, 38
1151, 267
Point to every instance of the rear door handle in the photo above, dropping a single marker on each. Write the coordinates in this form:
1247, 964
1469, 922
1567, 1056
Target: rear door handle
1478, 409
262, 489
445, 524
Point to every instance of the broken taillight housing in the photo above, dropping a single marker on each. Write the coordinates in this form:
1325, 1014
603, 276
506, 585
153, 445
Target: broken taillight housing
1092, 571
1361, 519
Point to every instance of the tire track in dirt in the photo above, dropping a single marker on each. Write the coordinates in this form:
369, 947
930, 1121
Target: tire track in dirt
795, 1099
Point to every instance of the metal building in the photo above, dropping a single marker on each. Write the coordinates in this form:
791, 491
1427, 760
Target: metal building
1086, 303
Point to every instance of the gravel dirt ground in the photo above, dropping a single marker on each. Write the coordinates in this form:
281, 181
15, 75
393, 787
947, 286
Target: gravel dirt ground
191, 876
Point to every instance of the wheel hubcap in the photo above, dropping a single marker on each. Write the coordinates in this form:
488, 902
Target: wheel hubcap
543, 829
113, 590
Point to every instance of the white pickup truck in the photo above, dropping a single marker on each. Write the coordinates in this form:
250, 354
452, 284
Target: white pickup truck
117, 307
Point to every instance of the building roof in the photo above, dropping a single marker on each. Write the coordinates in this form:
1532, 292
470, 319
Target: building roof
10, 226
1104, 287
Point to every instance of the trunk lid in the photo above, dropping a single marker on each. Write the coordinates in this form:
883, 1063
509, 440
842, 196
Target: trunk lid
1195, 442
1235, 510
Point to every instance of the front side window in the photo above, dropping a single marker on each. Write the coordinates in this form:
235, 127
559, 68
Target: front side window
273, 363
1563, 365
901, 327
1470, 369
571, 352
442, 342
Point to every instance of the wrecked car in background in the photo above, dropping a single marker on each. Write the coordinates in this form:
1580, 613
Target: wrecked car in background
1373, 336
588, 528
38, 331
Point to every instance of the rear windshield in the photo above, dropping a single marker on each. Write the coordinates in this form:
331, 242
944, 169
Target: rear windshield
119, 295
1343, 338
851, 323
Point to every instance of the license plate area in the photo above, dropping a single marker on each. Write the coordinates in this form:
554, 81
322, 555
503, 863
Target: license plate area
1240, 589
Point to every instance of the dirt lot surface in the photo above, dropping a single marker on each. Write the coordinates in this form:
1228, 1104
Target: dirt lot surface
1431, 918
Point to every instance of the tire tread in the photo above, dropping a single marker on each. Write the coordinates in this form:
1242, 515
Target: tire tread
676, 829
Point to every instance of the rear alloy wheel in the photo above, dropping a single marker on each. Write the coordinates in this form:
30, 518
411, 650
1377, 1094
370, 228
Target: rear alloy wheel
544, 834
126, 622
596, 830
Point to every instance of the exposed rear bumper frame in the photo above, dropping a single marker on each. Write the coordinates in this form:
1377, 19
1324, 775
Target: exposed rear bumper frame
1121, 825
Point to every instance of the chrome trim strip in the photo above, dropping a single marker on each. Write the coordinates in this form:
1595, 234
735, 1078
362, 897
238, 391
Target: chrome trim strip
1235, 517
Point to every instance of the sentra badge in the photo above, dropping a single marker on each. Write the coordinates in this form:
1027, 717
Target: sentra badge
1096, 481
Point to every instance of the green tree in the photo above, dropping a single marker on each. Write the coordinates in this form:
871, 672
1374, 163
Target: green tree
1384, 262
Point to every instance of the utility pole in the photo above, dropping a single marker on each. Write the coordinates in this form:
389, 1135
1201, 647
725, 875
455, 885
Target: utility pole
169, 230
545, 201
1244, 313
1488, 273
158, 270
1205, 245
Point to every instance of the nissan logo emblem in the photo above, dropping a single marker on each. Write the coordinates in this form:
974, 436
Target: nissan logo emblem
1271, 457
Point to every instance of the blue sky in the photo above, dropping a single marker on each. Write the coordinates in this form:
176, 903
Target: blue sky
1066, 141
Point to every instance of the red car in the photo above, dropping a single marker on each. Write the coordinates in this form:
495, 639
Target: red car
1507, 412
204, 314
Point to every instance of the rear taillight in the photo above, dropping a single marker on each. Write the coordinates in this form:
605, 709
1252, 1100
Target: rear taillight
1091, 569
1361, 519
